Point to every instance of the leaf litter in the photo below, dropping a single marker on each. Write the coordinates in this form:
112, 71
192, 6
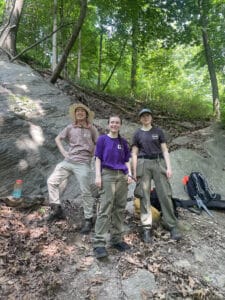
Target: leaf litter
38, 261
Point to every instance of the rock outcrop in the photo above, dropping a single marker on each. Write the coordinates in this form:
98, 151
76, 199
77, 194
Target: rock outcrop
33, 112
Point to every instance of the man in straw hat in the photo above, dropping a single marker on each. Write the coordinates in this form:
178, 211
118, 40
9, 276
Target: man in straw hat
81, 137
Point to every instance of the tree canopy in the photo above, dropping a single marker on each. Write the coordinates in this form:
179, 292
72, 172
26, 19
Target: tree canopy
166, 53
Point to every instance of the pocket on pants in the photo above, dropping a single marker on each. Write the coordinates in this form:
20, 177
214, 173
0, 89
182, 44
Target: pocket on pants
138, 192
140, 167
162, 165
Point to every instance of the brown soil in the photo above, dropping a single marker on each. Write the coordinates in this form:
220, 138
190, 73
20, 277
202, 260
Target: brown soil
39, 261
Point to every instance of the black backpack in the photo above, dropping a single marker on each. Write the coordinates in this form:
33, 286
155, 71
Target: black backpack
198, 187
155, 202
201, 194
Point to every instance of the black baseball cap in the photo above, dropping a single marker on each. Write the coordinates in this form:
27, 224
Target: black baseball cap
143, 111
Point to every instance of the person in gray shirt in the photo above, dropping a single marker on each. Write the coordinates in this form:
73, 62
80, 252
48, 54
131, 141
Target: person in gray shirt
151, 161
81, 137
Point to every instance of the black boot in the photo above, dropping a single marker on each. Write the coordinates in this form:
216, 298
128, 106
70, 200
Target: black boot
87, 226
56, 213
175, 234
146, 236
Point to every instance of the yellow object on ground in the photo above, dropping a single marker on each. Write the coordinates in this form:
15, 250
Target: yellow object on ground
155, 213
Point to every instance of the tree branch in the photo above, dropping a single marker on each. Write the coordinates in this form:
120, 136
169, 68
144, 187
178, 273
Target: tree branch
40, 41
115, 66
71, 41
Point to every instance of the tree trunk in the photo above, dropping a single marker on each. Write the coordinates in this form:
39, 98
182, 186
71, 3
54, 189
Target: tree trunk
8, 31
134, 58
212, 74
54, 37
79, 56
38, 42
210, 63
115, 66
72, 40
100, 60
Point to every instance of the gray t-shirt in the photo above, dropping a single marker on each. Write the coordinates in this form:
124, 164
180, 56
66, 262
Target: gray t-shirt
149, 142
81, 142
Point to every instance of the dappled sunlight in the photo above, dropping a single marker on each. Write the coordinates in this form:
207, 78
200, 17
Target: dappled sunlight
37, 134
25, 143
30, 143
56, 248
132, 238
38, 108
22, 165
36, 140
36, 233
24, 104
22, 87
85, 263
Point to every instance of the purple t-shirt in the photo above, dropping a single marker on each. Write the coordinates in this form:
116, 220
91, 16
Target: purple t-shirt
113, 153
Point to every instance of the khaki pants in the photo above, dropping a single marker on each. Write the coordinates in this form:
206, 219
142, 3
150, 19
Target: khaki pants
155, 169
112, 205
82, 171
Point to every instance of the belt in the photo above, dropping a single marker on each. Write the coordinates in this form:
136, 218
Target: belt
153, 156
113, 170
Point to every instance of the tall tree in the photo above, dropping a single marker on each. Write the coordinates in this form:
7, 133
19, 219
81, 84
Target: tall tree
54, 37
9, 29
115, 66
209, 58
193, 20
134, 51
71, 41
143, 23
79, 54
100, 57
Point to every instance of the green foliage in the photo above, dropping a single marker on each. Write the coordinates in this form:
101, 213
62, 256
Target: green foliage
2, 5
42, 211
188, 107
171, 70
223, 116
222, 107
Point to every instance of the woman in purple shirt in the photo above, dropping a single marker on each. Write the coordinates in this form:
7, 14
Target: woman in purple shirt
113, 174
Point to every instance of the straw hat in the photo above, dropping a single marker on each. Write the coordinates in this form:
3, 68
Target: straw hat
73, 107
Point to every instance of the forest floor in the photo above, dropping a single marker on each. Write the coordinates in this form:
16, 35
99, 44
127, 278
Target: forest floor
54, 261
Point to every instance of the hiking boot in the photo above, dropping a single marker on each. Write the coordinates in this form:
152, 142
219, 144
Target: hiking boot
121, 246
146, 237
87, 226
100, 252
56, 213
175, 234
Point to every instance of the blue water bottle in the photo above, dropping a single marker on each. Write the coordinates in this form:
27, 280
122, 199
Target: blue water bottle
17, 190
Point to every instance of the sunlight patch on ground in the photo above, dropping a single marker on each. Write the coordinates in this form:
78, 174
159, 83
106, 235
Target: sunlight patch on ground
22, 87
37, 134
33, 143
56, 248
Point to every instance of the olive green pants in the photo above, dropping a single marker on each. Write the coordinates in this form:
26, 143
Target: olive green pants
148, 170
112, 205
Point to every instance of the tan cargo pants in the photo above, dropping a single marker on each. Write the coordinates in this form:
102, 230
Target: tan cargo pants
82, 172
148, 170
112, 204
